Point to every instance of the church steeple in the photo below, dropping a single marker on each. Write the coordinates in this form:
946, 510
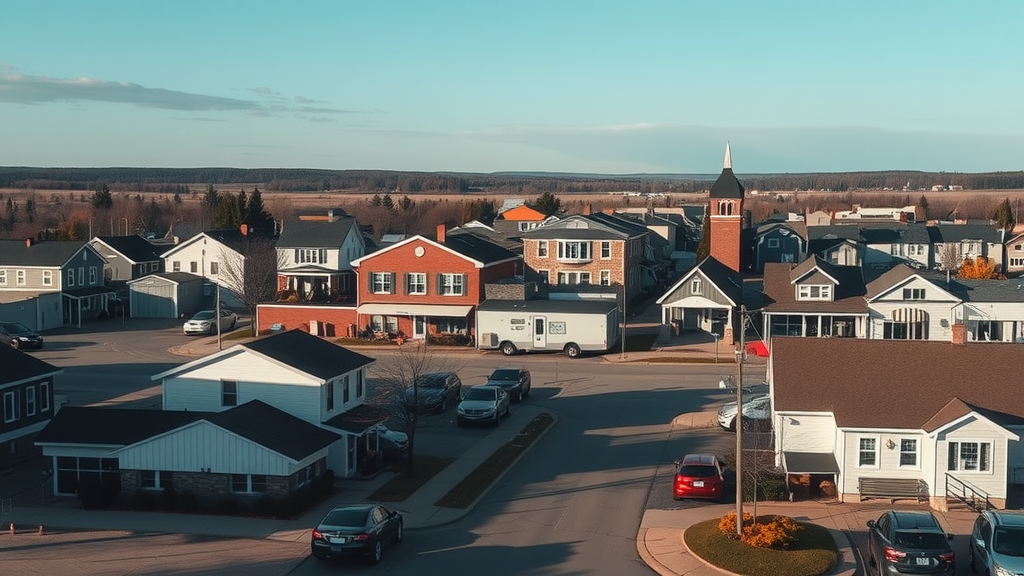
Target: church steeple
726, 206
727, 186
727, 165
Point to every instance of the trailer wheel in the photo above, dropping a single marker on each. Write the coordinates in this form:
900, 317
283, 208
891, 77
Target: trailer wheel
572, 350
508, 348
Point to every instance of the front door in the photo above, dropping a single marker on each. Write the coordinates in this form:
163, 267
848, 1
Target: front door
419, 327
540, 332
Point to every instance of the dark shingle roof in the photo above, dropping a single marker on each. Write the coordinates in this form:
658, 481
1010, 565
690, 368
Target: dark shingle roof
112, 426
895, 383
46, 253
358, 419
960, 232
16, 365
780, 292
135, 247
274, 429
724, 278
315, 233
593, 227
308, 353
478, 248
727, 185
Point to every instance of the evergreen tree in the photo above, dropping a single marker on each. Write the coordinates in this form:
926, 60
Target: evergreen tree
177, 198
406, 203
211, 198
704, 248
259, 220
1003, 216
30, 208
376, 201
548, 204
101, 198
923, 205
226, 214
388, 202
243, 207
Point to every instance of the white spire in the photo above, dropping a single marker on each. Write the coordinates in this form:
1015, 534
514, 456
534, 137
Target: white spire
727, 165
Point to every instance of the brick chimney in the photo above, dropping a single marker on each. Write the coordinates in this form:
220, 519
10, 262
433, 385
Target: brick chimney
959, 334
245, 229
586, 209
440, 233
28, 242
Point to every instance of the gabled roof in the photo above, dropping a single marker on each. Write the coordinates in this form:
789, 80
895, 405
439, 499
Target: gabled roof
522, 213
47, 253
896, 383
901, 274
274, 429
959, 232
582, 227
134, 248
727, 281
780, 293
299, 233
112, 426
480, 251
18, 366
176, 277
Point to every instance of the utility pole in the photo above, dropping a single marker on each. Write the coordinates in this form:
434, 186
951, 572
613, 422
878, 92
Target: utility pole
739, 422
217, 315
625, 296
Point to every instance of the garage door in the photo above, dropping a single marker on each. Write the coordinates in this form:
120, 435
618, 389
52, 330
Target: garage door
153, 301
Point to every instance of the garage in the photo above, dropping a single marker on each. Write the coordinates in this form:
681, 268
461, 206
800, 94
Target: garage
166, 295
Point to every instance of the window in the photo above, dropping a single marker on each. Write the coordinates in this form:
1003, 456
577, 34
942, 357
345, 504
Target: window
451, 284
377, 323
416, 283
572, 278
330, 396
12, 406
543, 277
380, 282
868, 452
773, 242
71, 278
154, 266
156, 479
606, 250
905, 330
908, 452
176, 266
696, 286
229, 393
47, 278
92, 275
970, 456
311, 255
3, 277
814, 292
1016, 262
359, 383
542, 249
248, 483
20, 275
81, 276
344, 392
391, 323
193, 267
606, 277
44, 396
913, 293
30, 401
214, 268
573, 251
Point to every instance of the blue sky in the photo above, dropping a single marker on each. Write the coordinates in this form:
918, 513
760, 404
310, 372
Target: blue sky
496, 85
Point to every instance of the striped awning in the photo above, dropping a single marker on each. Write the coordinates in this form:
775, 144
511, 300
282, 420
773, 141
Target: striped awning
912, 315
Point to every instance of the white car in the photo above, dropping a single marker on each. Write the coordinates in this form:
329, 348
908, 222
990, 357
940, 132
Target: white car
483, 404
202, 322
392, 441
756, 408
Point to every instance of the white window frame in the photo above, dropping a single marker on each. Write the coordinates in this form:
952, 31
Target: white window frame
575, 251
1016, 261
577, 275
377, 323
606, 277
916, 453
175, 265
391, 324
92, 275
225, 395
3, 277
20, 279
960, 458
452, 284
47, 278
12, 407
71, 277
154, 266
696, 286
381, 282
30, 401
159, 480
81, 275
416, 280
606, 250
774, 243
914, 294
44, 393
806, 292
542, 249
248, 484
861, 451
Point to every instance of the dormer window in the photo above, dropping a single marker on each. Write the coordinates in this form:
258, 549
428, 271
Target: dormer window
814, 292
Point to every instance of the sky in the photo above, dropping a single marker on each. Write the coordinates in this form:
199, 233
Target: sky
587, 86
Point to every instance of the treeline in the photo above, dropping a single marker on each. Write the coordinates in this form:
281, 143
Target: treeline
185, 180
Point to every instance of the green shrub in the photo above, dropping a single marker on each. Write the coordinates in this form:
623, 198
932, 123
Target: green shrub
448, 339
187, 501
226, 505
142, 500
771, 485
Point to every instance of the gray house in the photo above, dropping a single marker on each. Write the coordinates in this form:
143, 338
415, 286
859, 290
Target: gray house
128, 257
705, 299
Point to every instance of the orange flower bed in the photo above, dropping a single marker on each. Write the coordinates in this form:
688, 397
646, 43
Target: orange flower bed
768, 532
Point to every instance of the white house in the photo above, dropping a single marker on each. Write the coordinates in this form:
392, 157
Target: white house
315, 254
211, 254
905, 305
946, 417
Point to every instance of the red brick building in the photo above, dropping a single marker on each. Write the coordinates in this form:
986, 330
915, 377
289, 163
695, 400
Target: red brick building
726, 201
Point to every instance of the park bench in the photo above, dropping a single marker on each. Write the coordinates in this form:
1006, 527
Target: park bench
893, 489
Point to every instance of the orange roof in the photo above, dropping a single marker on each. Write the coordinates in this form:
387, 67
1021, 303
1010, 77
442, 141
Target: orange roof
523, 214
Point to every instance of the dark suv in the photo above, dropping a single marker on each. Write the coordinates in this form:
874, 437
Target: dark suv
435, 392
514, 381
909, 542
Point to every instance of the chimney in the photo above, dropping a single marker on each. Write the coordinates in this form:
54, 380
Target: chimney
586, 209
28, 242
440, 233
959, 334
245, 229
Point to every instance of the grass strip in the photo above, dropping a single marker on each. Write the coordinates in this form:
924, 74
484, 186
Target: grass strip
401, 486
473, 485
812, 553
675, 360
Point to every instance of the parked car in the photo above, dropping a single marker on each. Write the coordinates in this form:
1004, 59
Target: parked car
435, 392
997, 543
699, 476
18, 335
515, 381
361, 529
903, 541
392, 442
483, 404
202, 322
757, 410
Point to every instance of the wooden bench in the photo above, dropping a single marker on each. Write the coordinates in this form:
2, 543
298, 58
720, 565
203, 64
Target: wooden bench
893, 489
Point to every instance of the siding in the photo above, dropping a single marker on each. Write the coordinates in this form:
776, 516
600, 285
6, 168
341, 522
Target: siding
888, 459
975, 430
806, 432
301, 401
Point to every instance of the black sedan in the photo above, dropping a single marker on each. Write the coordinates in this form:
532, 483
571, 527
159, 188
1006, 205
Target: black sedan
515, 382
359, 530
434, 392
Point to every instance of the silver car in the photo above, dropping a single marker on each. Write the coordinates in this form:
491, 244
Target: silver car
997, 543
202, 322
756, 409
483, 404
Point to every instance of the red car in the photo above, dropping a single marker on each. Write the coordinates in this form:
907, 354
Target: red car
699, 476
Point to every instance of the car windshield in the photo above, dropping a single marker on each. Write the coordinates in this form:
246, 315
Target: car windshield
698, 471
505, 375
14, 328
204, 315
479, 394
432, 381
1009, 541
356, 517
921, 540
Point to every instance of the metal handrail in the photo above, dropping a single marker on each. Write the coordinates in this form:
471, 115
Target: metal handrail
976, 494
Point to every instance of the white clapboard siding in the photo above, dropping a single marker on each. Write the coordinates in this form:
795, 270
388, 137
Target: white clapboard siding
300, 401
251, 368
992, 482
806, 432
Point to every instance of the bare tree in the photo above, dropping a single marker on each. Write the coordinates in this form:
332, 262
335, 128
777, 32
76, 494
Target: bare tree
399, 379
950, 258
252, 273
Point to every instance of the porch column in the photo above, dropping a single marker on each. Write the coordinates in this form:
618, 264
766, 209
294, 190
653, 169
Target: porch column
727, 331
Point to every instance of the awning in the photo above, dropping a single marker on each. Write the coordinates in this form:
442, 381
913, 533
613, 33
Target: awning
911, 315
810, 463
88, 291
446, 311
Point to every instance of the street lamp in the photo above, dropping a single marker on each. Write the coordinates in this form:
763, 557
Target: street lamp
717, 337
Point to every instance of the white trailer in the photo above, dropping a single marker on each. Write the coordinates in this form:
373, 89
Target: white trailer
568, 326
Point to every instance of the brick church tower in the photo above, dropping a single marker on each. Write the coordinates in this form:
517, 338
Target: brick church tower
726, 201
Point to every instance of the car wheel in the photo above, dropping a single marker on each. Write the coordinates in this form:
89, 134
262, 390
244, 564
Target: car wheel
497, 417
233, 322
518, 397
378, 548
508, 348
398, 535
572, 350
444, 404
15, 344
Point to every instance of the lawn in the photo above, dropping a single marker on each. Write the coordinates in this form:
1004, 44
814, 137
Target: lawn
402, 486
812, 553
